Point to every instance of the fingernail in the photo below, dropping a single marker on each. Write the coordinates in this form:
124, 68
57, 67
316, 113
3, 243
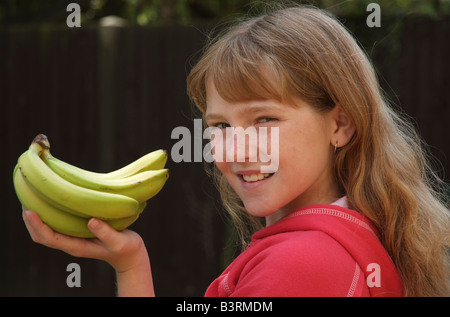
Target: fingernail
93, 223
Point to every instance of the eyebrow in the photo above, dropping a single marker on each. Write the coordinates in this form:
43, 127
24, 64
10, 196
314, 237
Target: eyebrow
248, 109
213, 116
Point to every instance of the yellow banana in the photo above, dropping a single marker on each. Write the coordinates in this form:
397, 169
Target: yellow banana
67, 196
59, 220
152, 161
141, 186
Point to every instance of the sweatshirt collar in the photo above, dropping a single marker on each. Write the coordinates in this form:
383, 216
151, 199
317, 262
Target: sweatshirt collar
338, 211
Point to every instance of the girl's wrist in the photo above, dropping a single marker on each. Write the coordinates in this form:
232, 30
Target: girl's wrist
131, 262
135, 278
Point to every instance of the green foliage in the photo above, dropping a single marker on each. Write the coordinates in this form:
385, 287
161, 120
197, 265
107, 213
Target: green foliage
381, 44
157, 12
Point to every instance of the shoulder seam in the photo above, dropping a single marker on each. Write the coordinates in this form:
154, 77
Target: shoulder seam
354, 282
334, 213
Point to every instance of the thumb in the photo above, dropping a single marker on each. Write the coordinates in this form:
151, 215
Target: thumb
103, 231
117, 248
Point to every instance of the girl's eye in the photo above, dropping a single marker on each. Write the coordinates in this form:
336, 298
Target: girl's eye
265, 120
221, 125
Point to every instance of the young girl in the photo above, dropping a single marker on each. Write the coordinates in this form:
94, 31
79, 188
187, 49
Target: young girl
352, 208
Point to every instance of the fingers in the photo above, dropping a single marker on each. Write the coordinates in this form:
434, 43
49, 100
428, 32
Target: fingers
43, 234
117, 248
39, 232
113, 241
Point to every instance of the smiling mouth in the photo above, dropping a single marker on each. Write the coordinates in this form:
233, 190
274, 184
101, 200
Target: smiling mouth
251, 178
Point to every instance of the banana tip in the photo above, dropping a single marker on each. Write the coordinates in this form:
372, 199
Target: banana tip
42, 140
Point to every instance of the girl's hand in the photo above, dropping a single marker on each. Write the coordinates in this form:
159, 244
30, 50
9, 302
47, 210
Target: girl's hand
123, 250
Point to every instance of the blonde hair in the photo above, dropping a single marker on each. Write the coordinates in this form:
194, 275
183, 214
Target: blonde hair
384, 170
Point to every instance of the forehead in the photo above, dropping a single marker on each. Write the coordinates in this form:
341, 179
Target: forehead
242, 81
272, 99
218, 108
215, 102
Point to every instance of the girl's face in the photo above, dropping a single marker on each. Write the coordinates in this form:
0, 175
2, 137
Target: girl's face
305, 154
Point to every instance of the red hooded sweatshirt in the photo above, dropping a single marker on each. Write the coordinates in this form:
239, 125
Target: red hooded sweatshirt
320, 250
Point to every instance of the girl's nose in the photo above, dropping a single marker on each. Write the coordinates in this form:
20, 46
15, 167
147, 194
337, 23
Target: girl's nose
242, 145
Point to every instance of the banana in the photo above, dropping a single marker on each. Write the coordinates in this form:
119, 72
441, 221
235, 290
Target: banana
64, 195
141, 186
57, 219
152, 161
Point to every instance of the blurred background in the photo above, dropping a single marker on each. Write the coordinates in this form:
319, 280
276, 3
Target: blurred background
113, 90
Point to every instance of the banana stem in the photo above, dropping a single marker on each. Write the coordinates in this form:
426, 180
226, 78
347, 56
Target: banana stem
42, 140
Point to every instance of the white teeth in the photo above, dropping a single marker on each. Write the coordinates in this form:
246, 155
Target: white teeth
254, 177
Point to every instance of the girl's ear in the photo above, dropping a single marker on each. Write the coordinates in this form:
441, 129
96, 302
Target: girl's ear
343, 127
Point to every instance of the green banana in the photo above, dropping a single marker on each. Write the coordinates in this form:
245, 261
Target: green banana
152, 161
57, 219
67, 196
140, 186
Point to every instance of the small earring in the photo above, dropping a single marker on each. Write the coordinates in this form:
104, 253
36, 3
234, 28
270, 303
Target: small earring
335, 146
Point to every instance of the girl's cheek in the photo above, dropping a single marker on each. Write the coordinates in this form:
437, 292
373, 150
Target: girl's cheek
219, 152
218, 149
222, 166
269, 150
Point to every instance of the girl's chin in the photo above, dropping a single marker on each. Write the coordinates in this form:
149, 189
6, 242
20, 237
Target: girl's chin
258, 209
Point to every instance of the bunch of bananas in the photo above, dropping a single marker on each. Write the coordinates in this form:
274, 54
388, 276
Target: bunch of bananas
65, 197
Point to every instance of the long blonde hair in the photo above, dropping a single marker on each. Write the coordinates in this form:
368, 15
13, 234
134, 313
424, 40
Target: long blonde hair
384, 170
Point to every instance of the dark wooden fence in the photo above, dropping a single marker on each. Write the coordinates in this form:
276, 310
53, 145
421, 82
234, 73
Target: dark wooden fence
106, 96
